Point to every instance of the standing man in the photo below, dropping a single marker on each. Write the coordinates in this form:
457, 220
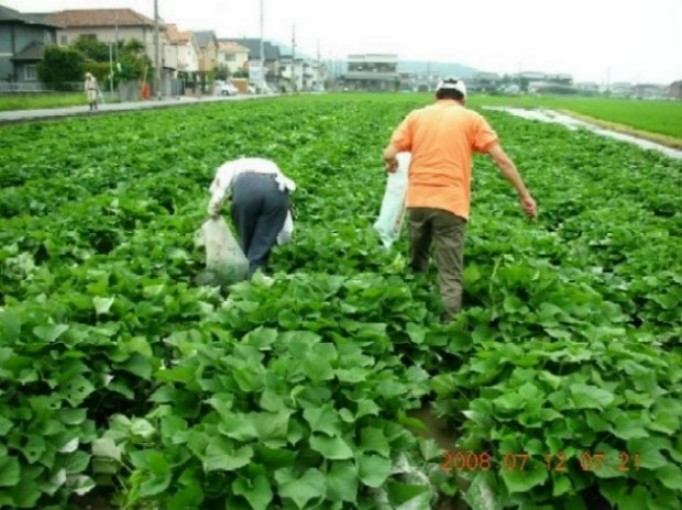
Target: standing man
260, 206
442, 138
91, 91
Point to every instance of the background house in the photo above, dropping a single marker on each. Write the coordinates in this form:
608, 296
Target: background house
232, 57
22, 43
372, 72
207, 42
182, 51
271, 59
675, 90
106, 25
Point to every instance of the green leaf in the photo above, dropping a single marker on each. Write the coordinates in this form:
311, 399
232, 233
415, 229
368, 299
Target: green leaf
262, 338
374, 470
534, 473
221, 455
635, 500
50, 333
333, 448
77, 389
10, 327
562, 485
187, 498
374, 440
238, 426
271, 425
156, 471
626, 428
323, 419
5, 426
256, 491
107, 448
401, 493
416, 333
342, 482
102, 305
585, 396
302, 490
643, 453
10, 472
670, 475
366, 408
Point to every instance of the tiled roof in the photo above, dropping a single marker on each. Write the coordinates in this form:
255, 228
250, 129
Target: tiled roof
99, 18
232, 47
176, 36
7, 14
204, 37
31, 53
272, 51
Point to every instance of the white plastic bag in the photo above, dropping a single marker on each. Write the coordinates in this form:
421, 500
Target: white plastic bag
225, 260
287, 231
392, 213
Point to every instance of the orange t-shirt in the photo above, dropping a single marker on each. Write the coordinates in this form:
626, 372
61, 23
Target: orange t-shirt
442, 138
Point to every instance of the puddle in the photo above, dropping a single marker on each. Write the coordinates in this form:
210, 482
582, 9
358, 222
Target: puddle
551, 116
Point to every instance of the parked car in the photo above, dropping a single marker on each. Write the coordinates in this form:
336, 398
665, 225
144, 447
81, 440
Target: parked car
225, 88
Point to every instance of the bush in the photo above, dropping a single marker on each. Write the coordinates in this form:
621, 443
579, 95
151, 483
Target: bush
60, 66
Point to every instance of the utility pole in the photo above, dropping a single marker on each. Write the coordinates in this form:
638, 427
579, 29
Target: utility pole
293, 58
116, 38
318, 73
111, 73
262, 48
157, 59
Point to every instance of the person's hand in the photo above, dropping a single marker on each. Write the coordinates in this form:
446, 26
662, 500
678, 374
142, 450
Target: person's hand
391, 165
529, 206
213, 213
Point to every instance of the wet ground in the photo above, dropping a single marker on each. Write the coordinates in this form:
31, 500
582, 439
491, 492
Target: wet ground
571, 123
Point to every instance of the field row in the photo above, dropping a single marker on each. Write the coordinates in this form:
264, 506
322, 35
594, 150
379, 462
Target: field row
121, 377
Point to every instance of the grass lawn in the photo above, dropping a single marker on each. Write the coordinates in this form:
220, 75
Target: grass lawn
662, 117
39, 101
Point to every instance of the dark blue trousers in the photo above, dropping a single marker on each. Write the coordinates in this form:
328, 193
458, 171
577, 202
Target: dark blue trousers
259, 210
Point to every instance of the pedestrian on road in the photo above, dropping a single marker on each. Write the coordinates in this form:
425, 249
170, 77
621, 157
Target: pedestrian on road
260, 207
442, 138
91, 89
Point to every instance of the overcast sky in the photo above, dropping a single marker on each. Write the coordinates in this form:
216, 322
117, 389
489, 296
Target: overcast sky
624, 40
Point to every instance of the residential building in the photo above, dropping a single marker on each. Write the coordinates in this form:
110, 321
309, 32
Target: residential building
372, 72
22, 42
271, 56
207, 42
484, 82
182, 50
106, 25
650, 91
233, 57
675, 90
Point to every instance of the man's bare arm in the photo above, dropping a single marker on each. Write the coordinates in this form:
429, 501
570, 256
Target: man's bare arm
508, 169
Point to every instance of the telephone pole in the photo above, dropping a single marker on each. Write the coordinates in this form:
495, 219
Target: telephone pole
293, 58
157, 59
262, 47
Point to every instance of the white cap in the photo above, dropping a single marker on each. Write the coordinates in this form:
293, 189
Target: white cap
452, 84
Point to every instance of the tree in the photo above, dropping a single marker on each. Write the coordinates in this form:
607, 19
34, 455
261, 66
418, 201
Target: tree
92, 49
61, 67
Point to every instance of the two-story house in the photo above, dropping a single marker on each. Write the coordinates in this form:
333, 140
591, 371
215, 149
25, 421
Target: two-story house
207, 42
232, 57
106, 25
271, 57
22, 42
182, 51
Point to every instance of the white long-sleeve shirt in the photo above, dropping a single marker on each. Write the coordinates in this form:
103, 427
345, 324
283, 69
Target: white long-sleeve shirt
222, 182
221, 187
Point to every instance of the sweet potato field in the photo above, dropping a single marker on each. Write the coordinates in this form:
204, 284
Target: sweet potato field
123, 381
